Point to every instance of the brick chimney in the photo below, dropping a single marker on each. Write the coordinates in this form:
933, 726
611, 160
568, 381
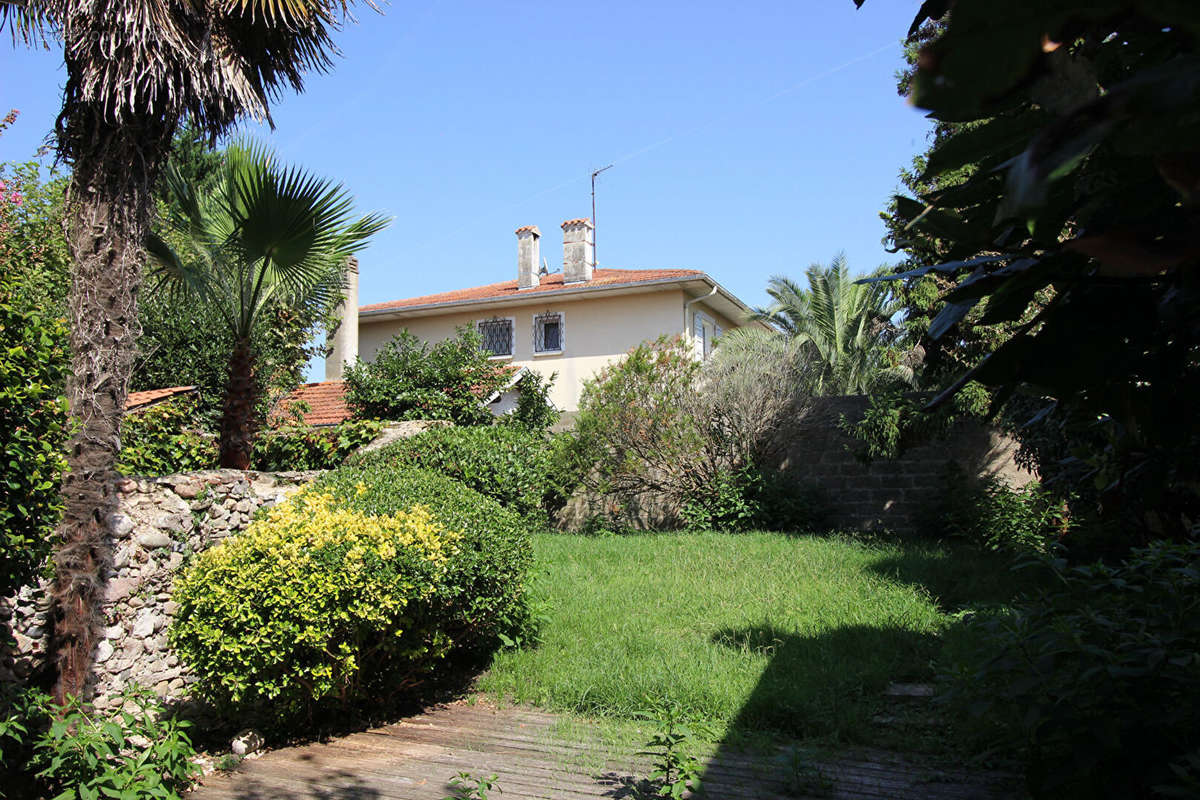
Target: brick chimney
528, 256
345, 337
579, 250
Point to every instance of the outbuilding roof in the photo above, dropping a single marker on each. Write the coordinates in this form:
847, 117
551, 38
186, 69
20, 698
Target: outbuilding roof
136, 401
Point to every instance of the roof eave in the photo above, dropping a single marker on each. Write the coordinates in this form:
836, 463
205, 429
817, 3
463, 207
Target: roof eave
538, 297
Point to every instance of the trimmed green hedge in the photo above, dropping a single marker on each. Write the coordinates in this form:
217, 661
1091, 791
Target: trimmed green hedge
508, 463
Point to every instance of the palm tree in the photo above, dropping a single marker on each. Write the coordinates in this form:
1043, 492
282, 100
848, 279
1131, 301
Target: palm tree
135, 68
265, 237
845, 327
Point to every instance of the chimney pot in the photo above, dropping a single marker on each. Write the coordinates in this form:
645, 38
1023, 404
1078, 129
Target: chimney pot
579, 250
528, 256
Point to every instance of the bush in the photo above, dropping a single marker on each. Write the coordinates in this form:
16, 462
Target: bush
508, 463
315, 602
136, 752
411, 380
1095, 682
754, 499
534, 410
689, 434
33, 416
164, 439
351, 594
482, 598
298, 447
994, 515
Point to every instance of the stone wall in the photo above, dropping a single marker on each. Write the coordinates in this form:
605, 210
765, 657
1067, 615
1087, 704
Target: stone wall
889, 494
161, 523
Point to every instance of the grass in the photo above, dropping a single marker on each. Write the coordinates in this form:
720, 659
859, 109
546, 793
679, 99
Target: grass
747, 632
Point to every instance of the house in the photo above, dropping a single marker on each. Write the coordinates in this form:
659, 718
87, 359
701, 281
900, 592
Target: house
572, 323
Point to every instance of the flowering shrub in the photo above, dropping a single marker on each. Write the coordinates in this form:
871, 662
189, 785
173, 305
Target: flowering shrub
316, 604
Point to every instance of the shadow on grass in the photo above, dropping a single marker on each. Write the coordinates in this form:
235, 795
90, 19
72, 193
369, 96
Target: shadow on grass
959, 577
831, 688
827, 685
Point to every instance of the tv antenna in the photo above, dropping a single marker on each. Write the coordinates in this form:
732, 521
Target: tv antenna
595, 172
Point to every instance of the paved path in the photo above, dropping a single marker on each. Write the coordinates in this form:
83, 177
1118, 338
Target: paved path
537, 755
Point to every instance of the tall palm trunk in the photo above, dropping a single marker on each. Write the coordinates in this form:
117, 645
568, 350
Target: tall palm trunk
110, 206
238, 417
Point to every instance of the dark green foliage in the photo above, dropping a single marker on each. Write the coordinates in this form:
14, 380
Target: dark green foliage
1062, 204
33, 422
482, 600
897, 420
989, 513
409, 379
534, 410
75, 753
1095, 682
508, 463
754, 499
189, 341
186, 343
300, 447
165, 439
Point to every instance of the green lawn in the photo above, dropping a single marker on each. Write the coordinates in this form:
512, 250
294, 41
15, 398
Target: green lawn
748, 632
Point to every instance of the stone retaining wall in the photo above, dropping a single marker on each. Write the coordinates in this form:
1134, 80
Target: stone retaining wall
161, 523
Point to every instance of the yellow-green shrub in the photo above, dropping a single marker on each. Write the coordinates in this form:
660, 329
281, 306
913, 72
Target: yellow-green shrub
315, 604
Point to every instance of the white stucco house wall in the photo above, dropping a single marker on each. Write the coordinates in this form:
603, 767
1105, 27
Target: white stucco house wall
572, 322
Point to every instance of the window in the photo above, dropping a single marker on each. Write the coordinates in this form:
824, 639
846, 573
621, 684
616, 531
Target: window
703, 333
497, 336
548, 332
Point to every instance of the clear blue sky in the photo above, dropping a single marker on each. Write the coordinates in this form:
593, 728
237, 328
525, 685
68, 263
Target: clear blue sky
749, 139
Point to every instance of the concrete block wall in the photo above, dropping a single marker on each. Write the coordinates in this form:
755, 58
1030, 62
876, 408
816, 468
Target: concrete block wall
889, 494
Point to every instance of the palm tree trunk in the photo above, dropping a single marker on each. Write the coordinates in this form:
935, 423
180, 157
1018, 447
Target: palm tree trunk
109, 208
237, 420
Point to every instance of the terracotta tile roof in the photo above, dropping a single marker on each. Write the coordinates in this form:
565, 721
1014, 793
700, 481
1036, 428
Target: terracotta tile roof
549, 283
524, 228
580, 221
326, 401
137, 400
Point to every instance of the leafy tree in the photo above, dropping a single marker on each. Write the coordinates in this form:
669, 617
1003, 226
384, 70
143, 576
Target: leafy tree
1076, 228
133, 71
844, 327
409, 379
267, 238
